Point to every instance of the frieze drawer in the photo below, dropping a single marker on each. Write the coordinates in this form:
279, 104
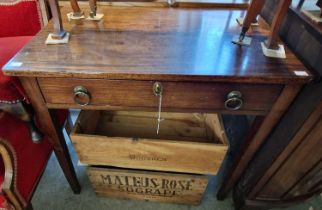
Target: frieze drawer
175, 95
147, 185
187, 142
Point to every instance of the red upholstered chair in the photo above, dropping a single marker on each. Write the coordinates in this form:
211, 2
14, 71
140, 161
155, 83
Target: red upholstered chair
22, 162
20, 20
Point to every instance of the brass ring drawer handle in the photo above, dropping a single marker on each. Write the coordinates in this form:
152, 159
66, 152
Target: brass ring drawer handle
234, 101
81, 96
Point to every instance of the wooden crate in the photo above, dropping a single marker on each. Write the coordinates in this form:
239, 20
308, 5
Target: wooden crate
187, 142
147, 185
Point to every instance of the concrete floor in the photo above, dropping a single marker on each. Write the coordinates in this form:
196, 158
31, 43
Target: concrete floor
54, 193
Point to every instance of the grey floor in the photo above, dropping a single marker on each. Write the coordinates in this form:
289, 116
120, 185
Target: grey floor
53, 193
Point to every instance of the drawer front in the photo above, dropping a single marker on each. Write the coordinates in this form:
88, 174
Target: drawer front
175, 95
130, 141
146, 185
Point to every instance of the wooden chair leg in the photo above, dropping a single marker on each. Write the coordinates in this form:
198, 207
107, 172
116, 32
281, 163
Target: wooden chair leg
93, 6
253, 11
76, 10
24, 113
59, 32
272, 41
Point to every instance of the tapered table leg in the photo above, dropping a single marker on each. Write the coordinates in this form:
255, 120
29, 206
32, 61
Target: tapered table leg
257, 135
59, 32
50, 127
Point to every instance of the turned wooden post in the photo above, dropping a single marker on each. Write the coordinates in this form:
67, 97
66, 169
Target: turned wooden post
93, 6
75, 7
59, 32
254, 9
272, 41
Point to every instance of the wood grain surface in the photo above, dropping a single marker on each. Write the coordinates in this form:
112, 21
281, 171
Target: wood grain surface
306, 142
224, 4
179, 95
149, 186
297, 144
186, 142
172, 45
142, 43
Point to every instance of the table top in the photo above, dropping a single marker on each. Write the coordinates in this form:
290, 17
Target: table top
142, 43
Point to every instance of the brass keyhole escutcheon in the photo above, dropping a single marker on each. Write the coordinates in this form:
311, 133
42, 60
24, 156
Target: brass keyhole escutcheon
157, 88
158, 91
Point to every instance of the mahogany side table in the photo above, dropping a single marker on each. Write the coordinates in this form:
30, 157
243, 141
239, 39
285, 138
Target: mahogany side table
188, 50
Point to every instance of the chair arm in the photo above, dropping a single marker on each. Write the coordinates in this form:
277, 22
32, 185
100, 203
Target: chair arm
8, 187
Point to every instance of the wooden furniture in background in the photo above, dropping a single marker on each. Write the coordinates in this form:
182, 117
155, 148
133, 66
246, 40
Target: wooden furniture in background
291, 182
295, 175
118, 59
255, 9
287, 169
76, 10
58, 32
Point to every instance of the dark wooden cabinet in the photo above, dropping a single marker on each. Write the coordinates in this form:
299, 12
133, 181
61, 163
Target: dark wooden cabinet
296, 173
288, 167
